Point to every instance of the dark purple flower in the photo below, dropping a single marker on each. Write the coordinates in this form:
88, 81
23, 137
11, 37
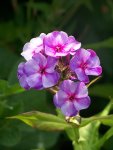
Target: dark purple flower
84, 63
34, 46
72, 97
58, 43
39, 72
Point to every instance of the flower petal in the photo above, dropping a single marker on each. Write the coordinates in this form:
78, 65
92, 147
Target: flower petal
49, 51
40, 59
60, 98
31, 67
93, 71
55, 38
20, 69
80, 57
93, 60
82, 54
68, 109
81, 75
51, 63
68, 86
82, 103
72, 45
50, 79
27, 52
34, 46
81, 90
35, 81
23, 82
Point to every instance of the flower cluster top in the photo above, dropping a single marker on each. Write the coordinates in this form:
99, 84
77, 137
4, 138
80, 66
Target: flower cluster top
56, 60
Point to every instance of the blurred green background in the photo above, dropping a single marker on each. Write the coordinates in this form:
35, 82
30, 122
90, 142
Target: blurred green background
91, 22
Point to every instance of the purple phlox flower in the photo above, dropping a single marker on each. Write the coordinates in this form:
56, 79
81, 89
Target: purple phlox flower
22, 76
34, 46
58, 43
73, 45
72, 97
39, 72
84, 63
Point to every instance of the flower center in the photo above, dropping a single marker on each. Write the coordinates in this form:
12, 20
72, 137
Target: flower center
42, 71
83, 65
72, 97
58, 48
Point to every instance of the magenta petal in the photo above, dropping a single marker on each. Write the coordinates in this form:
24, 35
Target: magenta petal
72, 45
81, 75
82, 54
82, 103
93, 71
35, 81
40, 59
23, 82
31, 67
55, 38
68, 109
93, 60
81, 90
61, 38
49, 51
68, 86
51, 63
60, 98
50, 79
75, 62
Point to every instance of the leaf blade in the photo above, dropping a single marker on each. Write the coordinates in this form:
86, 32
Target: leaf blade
42, 121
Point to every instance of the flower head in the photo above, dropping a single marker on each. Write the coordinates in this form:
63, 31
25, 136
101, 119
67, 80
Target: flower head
39, 72
58, 43
34, 46
84, 63
72, 97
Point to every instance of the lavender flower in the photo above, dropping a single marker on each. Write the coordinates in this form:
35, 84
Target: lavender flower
84, 63
22, 76
48, 64
38, 73
72, 97
34, 46
58, 43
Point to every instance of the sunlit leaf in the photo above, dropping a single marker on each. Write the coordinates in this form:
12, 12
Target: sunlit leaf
42, 121
103, 119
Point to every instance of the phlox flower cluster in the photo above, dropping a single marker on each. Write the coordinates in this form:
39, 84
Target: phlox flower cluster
57, 61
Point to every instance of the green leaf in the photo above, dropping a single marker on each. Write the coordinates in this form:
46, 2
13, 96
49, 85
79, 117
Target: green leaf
12, 78
102, 90
108, 43
7, 90
6, 65
9, 136
47, 139
88, 137
107, 120
42, 121
105, 137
